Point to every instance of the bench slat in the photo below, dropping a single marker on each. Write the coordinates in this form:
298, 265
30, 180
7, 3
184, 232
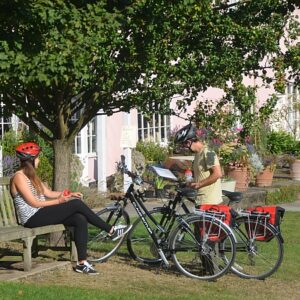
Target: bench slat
4, 220
19, 232
8, 215
4, 180
9, 206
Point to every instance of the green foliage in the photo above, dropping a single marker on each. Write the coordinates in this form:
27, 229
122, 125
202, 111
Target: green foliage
9, 142
234, 154
70, 58
152, 151
45, 171
148, 175
159, 183
283, 194
217, 117
281, 142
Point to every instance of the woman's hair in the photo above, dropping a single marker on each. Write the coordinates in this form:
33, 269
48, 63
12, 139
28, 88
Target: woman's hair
28, 168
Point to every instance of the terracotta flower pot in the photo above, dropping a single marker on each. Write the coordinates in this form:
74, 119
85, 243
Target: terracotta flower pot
242, 177
295, 169
265, 177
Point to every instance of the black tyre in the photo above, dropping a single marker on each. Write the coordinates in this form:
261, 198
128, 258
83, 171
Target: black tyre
100, 245
139, 242
259, 250
203, 247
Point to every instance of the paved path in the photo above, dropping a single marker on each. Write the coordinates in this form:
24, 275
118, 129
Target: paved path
294, 206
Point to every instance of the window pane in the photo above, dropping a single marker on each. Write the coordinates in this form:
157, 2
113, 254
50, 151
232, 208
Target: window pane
94, 143
156, 129
78, 144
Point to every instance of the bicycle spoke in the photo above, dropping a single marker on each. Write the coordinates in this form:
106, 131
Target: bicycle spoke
198, 256
256, 257
141, 245
100, 246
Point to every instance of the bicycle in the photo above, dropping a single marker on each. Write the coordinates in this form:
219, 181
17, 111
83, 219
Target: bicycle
259, 244
186, 238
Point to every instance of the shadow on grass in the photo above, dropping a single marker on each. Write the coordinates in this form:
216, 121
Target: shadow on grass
158, 268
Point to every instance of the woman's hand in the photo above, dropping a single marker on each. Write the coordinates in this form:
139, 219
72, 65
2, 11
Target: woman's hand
76, 195
63, 199
68, 193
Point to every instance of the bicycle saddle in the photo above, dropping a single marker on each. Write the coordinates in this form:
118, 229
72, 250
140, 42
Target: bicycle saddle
233, 196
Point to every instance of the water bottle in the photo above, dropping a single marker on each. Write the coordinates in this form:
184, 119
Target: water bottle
188, 175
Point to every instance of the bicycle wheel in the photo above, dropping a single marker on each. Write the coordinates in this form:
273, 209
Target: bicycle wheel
259, 250
139, 242
100, 246
203, 248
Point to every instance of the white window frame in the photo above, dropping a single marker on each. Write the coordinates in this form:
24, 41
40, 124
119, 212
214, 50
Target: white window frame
293, 97
157, 129
91, 136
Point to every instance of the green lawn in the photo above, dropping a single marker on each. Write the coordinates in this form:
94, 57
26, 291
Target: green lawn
121, 278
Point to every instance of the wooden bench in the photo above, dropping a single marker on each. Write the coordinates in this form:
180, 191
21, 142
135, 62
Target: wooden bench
10, 229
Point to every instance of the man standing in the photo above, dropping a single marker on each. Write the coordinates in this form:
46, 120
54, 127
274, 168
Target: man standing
206, 167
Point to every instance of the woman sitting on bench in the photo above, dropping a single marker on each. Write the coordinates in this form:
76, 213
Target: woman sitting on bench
30, 196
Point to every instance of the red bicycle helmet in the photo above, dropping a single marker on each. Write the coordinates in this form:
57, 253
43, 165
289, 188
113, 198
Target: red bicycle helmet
29, 150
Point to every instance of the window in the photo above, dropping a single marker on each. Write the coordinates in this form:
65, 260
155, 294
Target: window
91, 136
155, 129
5, 125
293, 99
85, 140
77, 144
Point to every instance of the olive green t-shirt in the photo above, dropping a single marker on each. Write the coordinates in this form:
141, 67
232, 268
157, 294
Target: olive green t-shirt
203, 162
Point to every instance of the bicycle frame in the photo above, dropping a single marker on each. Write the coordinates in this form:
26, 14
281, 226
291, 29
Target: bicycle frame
120, 207
135, 198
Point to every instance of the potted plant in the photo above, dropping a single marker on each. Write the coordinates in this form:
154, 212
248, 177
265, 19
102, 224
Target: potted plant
287, 148
264, 177
159, 184
234, 158
294, 160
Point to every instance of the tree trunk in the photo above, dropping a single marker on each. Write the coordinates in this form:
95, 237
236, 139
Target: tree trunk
62, 158
61, 178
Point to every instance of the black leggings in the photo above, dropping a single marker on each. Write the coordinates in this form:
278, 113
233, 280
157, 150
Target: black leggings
72, 213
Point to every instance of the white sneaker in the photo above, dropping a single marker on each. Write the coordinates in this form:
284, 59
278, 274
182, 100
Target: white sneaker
86, 268
120, 231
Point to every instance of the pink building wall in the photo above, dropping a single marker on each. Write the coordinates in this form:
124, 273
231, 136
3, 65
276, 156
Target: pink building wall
113, 138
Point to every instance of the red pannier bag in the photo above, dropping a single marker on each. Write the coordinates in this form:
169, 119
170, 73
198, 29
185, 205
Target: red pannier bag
264, 214
221, 212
